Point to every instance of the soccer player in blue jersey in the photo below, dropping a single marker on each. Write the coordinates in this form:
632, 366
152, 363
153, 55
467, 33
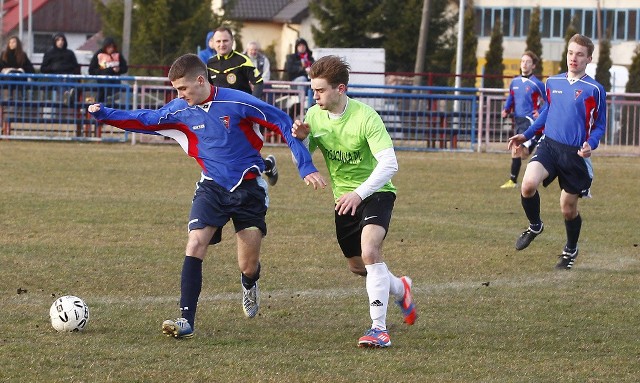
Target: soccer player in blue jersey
526, 95
573, 124
215, 126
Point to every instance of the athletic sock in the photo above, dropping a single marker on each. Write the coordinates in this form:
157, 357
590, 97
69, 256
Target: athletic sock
378, 290
249, 282
190, 287
531, 208
396, 287
516, 164
573, 232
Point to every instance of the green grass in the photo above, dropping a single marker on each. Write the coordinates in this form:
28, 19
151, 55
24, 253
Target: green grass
108, 223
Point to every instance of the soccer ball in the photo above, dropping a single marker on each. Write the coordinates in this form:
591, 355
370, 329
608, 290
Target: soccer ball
69, 314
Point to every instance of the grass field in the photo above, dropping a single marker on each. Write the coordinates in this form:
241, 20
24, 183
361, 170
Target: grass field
108, 223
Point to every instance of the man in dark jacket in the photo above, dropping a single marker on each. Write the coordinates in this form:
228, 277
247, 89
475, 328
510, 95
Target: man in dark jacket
299, 63
59, 59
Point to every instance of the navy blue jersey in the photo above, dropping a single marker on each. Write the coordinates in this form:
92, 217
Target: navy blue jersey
526, 95
219, 134
576, 112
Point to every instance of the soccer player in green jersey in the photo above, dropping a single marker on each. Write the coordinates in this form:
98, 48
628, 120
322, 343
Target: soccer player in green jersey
361, 160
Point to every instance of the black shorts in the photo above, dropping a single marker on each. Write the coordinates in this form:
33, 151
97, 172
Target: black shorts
214, 205
574, 173
375, 209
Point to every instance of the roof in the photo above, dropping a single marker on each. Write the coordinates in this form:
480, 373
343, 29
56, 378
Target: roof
11, 13
284, 11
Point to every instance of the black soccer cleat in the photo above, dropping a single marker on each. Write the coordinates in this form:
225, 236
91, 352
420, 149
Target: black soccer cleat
527, 237
567, 259
271, 170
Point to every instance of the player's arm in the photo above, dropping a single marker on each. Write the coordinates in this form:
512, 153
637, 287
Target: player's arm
508, 106
141, 120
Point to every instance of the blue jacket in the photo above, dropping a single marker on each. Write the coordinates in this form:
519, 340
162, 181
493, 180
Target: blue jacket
219, 133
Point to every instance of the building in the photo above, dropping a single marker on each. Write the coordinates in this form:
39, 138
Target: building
620, 19
49, 17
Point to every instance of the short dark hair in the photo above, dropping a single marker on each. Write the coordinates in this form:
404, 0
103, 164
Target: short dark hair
534, 57
224, 29
189, 66
584, 41
331, 68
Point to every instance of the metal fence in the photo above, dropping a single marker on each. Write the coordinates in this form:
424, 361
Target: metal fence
53, 107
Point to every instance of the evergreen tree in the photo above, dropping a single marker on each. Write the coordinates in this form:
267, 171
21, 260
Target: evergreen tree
571, 30
603, 75
534, 41
494, 67
389, 24
633, 85
344, 24
469, 48
631, 120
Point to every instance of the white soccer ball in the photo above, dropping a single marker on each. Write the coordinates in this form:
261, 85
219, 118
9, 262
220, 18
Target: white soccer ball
69, 313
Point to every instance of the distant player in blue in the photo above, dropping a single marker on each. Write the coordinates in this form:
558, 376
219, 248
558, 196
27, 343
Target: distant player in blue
573, 124
526, 97
215, 126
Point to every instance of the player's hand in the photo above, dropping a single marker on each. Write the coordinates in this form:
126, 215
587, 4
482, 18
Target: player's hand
504, 114
300, 130
585, 150
516, 141
93, 108
316, 180
347, 203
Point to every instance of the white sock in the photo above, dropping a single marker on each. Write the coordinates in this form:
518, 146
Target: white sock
378, 291
396, 287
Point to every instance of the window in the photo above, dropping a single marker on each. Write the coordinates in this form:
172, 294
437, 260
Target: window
557, 27
621, 23
546, 22
632, 25
589, 22
516, 29
506, 23
526, 21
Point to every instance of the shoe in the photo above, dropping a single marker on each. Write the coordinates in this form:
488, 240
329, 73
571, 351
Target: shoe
508, 185
271, 170
567, 259
251, 301
525, 238
406, 304
375, 338
180, 328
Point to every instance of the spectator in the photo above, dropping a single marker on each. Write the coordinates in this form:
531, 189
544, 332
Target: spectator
108, 62
209, 51
59, 59
299, 63
13, 58
259, 60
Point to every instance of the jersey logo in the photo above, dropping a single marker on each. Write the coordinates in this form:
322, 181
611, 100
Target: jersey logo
198, 127
577, 93
225, 121
232, 78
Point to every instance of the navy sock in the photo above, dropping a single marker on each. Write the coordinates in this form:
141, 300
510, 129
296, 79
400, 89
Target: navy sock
516, 164
573, 232
190, 287
531, 208
249, 282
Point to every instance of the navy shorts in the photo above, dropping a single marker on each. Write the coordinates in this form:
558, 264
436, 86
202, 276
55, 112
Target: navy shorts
562, 161
214, 205
375, 209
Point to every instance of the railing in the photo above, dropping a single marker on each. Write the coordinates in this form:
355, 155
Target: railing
53, 107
